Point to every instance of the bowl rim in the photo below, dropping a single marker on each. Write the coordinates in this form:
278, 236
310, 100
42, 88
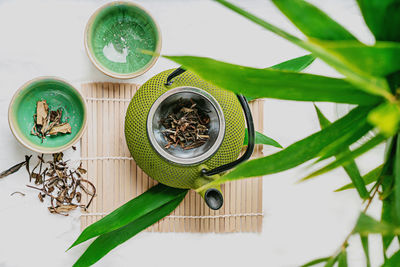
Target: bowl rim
47, 150
105, 70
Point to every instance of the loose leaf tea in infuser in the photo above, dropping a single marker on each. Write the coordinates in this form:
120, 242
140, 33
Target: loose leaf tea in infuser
186, 126
48, 122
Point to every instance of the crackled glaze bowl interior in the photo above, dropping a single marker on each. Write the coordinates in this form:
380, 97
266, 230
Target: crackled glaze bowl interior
58, 94
116, 36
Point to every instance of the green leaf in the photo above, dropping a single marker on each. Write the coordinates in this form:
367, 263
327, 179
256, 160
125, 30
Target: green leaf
369, 178
270, 83
386, 117
351, 167
355, 176
311, 21
388, 216
364, 242
389, 213
366, 82
381, 59
366, 225
106, 242
393, 261
296, 65
360, 129
295, 154
331, 261
397, 177
147, 202
261, 139
346, 157
315, 262
323, 121
382, 18
342, 259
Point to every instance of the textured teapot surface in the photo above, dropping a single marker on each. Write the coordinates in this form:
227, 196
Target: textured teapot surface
176, 175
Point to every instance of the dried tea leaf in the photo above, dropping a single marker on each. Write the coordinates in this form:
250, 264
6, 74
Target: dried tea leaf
14, 168
17, 192
61, 128
65, 208
42, 110
81, 170
57, 157
78, 197
41, 196
48, 122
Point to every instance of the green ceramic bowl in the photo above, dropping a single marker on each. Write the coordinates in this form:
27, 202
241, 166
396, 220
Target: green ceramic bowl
58, 94
115, 36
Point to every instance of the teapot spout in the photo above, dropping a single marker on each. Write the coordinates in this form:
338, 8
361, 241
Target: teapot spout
212, 195
213, 198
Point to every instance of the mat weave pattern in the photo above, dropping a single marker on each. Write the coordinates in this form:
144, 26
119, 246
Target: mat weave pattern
117, 178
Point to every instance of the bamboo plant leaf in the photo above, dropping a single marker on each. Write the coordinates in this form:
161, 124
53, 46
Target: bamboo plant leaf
365, 245
388, 213
147, 202
346, 157
386, 117
393, 261
342, 259
368, 178
331, 262
388, 216
355, 176
312, 21
296, 65
351, 167
368, 83
360, 129
380, 59
295, 154
382, 18
261, 139
315, 262
270, 83
397, 177
366, 225
106, 242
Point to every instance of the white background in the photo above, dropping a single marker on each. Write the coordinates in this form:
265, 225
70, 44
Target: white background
302, 221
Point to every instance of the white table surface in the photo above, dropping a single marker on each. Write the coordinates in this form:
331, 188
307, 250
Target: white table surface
302, 221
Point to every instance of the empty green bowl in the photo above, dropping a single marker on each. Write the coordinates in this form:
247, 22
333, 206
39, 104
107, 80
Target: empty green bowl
115, 36
58, 94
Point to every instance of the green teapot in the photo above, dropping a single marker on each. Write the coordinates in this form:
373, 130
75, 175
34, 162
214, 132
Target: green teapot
194, 168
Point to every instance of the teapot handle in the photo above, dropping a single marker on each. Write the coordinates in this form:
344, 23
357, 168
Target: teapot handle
250, 129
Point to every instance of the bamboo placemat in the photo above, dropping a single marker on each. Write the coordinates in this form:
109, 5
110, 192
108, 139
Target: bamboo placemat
111, 168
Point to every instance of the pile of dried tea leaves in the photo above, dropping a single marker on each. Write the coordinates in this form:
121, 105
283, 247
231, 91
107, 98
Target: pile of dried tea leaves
187, 125
48, 122
56, 180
